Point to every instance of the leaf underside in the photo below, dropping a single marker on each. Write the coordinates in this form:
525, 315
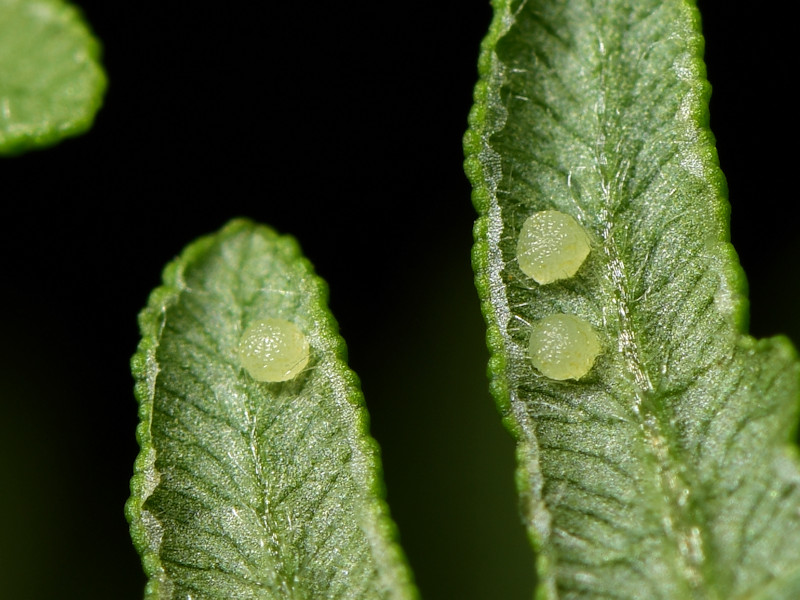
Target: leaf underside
245, 489
667, 471
51, 81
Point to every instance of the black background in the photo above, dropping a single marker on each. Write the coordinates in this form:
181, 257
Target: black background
340, 123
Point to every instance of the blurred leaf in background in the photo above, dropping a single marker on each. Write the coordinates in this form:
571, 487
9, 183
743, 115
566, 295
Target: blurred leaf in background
51, 80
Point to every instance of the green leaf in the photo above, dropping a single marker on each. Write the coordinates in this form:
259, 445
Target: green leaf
51, 81
246, 489
667, 471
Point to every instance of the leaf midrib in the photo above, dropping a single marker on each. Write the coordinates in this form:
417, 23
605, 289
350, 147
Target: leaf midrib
251, 422
273, 543
657, 436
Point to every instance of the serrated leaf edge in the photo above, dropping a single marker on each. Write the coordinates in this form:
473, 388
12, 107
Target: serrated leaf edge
144, 528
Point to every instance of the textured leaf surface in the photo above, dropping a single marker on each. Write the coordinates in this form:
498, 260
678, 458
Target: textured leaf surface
245, 489
667, 471
51, 81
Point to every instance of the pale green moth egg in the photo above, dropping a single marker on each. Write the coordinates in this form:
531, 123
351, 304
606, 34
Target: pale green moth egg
552, 246
563, 346
273, 350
